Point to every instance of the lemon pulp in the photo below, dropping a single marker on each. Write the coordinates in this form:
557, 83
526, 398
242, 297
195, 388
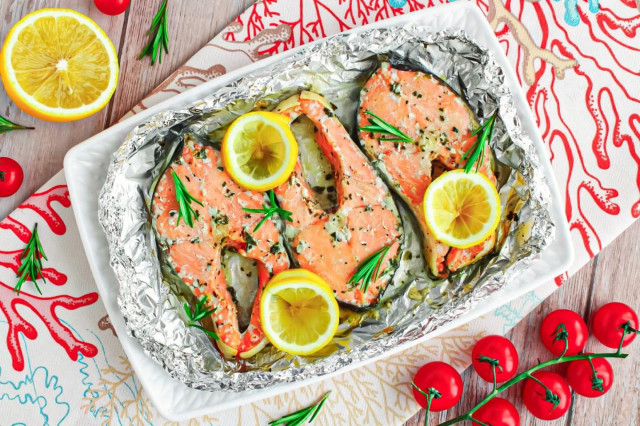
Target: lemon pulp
261, 152
299, 316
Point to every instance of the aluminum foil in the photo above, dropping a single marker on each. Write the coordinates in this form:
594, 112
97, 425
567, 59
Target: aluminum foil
151, 295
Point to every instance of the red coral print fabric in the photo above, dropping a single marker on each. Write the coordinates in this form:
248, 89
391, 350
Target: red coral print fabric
16, 235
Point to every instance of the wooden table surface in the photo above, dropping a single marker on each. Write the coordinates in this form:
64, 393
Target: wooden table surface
610, 276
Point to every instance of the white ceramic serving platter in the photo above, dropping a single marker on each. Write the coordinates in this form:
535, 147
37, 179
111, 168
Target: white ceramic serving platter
86, 167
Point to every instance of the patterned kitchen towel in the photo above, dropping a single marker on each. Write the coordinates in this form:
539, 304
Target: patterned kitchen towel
577, 63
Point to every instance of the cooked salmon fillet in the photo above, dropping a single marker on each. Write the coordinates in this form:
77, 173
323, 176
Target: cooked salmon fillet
196, 253
333, 243
440, 123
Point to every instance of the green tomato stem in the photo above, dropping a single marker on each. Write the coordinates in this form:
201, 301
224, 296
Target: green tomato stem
429, 395
426, 414
596, 382
495, 383
529, 376
626, 329
478, 422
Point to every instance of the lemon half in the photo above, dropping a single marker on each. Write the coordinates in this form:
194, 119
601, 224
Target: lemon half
461, 209
259, 150
58, 65
299, 313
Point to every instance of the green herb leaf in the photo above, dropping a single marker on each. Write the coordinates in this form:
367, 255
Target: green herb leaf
270, 211
322, 401
475, 154
200, 312
300, 416
160, 36
184, 199
369, 269
380, 126
31, 262
293, 417
9, 126
209, 333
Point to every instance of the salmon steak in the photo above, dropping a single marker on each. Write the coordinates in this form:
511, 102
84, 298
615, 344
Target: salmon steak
334, 242
196, 253
440, 124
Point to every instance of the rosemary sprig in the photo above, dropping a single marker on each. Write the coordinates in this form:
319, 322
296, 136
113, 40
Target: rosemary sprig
369, 269
9, 126
378, 125
184, 202
270, 211
475, 154
199, 313
31, 262
301, 416
160, 36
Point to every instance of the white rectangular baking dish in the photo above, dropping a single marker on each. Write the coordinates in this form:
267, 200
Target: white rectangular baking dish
86, 167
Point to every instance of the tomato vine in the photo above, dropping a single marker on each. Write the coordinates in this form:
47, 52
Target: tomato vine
528, 374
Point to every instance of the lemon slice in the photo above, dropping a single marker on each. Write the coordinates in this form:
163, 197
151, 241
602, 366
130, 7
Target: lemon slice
259, 150
461, 209
299, 313
58, 65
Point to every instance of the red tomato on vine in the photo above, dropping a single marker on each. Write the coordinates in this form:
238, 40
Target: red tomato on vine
112, 7
581, 378
444, 380
608, 321
11, 177
498, 412
548, 403
496, 350
564, 322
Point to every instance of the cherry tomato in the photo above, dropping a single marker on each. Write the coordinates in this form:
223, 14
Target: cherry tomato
500, 349
539, 403
580, 377
112, 7
11, 177
498, 412
443, 378
606, 321
575, 327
